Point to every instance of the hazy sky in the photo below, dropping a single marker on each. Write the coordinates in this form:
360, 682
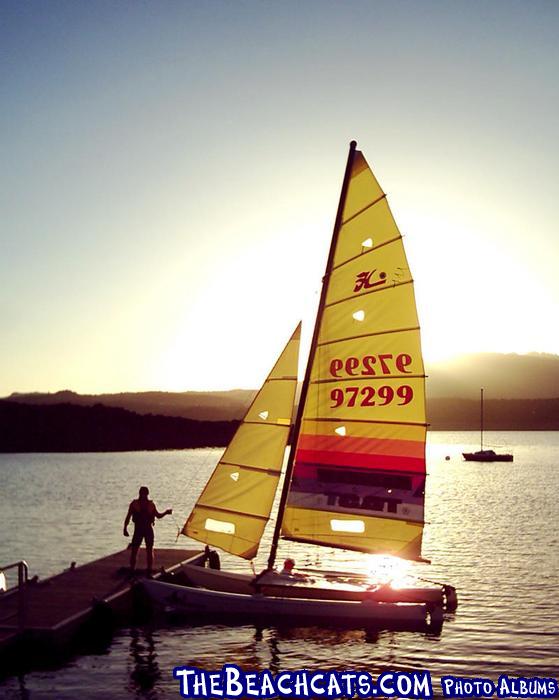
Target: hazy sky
170, 174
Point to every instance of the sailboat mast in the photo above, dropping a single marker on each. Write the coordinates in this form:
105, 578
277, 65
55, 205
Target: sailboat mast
481, 421
314, 344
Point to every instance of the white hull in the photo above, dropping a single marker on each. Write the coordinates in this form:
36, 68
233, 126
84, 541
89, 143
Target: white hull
230, 582
202, 603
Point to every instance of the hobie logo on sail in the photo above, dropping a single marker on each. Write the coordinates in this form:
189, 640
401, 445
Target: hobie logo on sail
368, 280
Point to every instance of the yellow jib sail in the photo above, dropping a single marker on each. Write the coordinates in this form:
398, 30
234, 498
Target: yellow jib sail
235, 505
359, 469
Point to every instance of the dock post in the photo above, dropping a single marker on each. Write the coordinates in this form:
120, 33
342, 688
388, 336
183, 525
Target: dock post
22, 576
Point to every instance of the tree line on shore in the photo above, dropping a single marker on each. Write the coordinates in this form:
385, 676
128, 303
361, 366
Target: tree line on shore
66, 427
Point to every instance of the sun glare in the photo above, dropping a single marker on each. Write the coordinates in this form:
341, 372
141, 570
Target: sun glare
388, 570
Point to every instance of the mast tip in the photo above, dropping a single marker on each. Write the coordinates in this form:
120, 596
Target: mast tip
353, 144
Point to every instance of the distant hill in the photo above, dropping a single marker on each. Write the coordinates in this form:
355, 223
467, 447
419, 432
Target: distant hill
503, 414
532, 376
521, 391
69, 428
196, 405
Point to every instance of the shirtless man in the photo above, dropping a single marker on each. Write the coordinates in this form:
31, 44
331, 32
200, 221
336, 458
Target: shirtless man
143, 512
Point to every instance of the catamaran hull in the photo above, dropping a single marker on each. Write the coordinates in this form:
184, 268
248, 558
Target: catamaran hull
217, 605
230, 582
480, 457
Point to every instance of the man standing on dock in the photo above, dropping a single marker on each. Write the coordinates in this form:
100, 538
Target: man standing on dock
143, 512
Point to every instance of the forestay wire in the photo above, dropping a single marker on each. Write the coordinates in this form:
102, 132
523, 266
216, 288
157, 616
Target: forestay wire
187, 488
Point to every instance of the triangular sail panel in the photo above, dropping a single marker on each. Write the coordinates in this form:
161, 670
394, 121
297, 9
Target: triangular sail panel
235, 505
359, 471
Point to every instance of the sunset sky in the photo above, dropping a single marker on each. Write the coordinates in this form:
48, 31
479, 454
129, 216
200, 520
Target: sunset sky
170, 175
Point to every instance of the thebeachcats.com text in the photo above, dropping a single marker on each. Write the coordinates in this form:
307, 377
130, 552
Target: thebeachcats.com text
232, 682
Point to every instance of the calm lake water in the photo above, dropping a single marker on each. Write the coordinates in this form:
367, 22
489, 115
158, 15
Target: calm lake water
492, 532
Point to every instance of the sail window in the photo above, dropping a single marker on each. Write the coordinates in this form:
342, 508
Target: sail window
341, 430
220, 526
359, 315
368, 243
355, 526
264, 415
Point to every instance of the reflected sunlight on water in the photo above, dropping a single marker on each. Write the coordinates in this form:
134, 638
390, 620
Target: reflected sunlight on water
491, 533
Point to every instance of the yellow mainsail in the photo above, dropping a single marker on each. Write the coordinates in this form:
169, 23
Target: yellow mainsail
235, 505
358, 475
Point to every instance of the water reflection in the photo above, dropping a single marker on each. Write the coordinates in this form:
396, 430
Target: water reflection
277, 648
23, 693
275, 654
491, 533
145, 672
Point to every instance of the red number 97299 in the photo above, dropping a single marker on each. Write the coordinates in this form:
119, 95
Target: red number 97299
369, 396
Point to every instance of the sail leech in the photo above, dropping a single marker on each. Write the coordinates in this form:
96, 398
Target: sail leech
235, 505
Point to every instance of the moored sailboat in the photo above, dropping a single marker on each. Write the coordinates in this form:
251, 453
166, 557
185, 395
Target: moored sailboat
485, 455
355, 477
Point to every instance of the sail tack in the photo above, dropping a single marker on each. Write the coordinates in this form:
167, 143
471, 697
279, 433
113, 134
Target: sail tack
359, 471
235, 505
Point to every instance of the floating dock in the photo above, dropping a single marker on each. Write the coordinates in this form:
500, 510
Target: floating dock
48, 614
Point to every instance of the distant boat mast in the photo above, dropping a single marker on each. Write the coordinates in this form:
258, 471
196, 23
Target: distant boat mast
481, 421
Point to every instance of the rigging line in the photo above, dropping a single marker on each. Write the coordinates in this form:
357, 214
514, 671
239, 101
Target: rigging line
271, 472
349, 536
366, 377
367, 206
368, 335
366, 252
337, 574
312, 353
354, 420
236, 536
348, 574
179, 528
372, 291
232, 512
294, 336
188, 482
428, 580
357, 576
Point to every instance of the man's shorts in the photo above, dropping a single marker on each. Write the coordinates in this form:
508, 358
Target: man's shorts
142, 533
